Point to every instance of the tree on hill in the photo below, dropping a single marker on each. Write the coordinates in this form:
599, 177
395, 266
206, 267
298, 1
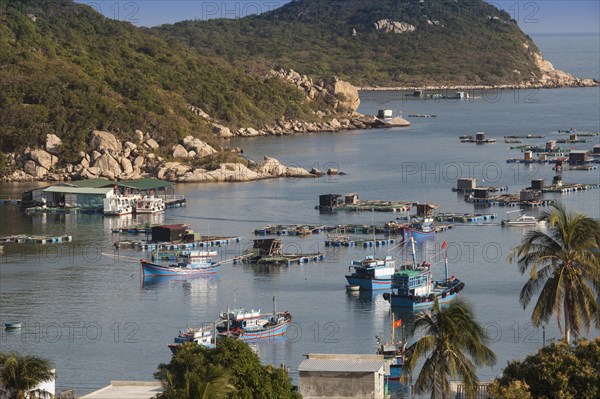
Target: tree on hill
560, 371
245, 378
564, 266
22, 373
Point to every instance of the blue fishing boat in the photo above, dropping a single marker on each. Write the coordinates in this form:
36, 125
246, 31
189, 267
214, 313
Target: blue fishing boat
414, 289
203, 336
419, 230
372, 274
252, 325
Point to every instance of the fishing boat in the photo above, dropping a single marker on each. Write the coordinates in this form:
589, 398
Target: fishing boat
419, 230
252, 325
188, 263
12, 326
203, 336
179, 269
413, 287
372, 274
523, 220
120, 205
149, 204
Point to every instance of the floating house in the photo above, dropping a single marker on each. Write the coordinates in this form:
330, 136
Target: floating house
169, 232
90, 194
342, 376
578, 157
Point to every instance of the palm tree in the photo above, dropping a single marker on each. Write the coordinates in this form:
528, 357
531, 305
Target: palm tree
450, 334
216, 384
21, 374
564, 266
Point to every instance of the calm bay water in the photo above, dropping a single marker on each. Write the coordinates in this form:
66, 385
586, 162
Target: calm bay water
95, 319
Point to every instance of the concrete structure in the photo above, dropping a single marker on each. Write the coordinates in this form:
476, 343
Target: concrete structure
336, 376
127, 390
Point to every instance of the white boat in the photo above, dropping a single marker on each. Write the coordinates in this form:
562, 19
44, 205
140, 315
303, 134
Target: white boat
149, 204
523, 220
120, 205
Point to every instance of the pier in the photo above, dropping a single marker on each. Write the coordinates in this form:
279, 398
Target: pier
151, 246
26, 239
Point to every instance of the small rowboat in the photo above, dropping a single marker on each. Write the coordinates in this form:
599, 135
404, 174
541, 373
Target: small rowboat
12, 326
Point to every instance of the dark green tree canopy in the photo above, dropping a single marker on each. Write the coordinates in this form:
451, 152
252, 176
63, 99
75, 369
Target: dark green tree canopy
560, 371
250, 378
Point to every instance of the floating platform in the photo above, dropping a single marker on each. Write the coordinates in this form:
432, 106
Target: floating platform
151, 246
358, 242
569, 188
422, 116
464, 217
471, 139
508, 200
369, 205
488, 189
583, 167
283, 259
134, 229
41, 209
573, 141
25, 239
526, 136
290, 230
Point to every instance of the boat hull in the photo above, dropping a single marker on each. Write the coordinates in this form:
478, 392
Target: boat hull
405, 302
152, 269
270, 333
368, 284
416, 234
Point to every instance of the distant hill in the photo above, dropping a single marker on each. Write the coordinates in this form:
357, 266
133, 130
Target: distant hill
378, 42
66, 70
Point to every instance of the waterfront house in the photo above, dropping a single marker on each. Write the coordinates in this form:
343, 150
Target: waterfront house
578, 157
342, 376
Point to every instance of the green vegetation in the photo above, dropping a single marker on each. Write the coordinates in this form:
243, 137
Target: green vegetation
455, 42
214, 161
195, 369
560, 371
69, 70
450, 334
564, 265
21, 374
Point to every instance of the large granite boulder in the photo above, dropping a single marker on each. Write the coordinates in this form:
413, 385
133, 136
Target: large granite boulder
43, 158
53, 144
108, 166
100, 140
179, 151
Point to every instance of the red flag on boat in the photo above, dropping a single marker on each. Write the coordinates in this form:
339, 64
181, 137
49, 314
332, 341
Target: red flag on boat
398, 323
444, 245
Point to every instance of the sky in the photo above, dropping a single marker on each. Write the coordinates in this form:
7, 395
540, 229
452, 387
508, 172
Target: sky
540, 16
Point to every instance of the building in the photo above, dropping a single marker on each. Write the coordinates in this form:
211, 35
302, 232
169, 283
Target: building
578, 157
127, 390
466, 184
90, 194
342, 376
329, 200
76, 197
351, 199
169, 232
426, 210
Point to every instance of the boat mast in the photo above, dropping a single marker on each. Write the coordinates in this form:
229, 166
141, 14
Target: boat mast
446, 262
228, 319
393, 335
414, 254
274, 310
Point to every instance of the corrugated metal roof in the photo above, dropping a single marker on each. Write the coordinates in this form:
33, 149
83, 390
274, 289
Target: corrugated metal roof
78, 190
144, 184
341, 365
149, 183
92, 183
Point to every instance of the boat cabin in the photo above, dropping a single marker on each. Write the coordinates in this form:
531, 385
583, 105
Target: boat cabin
412, 282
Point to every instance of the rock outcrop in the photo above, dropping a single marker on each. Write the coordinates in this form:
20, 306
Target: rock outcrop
104, 140
551, 77
340, 94
390, 26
